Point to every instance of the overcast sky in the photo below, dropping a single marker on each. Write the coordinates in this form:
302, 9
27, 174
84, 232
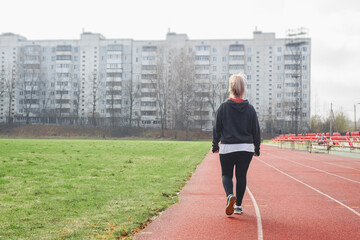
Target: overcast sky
334, 27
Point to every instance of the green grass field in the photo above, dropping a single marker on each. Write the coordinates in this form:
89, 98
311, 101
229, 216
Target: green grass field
89, 189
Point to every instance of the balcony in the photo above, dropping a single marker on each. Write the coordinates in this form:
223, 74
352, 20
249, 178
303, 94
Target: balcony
234, 53
236, 62
202, 53
202, 71
202, 62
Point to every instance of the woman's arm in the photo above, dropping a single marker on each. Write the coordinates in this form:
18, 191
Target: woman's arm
217, 131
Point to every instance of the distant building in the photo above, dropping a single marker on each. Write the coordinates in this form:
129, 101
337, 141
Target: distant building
102, 81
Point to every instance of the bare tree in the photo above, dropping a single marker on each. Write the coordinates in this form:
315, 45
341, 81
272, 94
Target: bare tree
44, 99
217, 93
113, 91
30, 80
160, 84
95, 80
76, 102
7, 90
62, 90
131, 93
183, 83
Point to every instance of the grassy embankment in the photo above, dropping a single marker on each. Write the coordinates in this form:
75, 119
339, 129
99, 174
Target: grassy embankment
81, 189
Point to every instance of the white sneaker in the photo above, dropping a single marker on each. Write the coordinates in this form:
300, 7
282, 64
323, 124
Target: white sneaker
237, 209
231, 200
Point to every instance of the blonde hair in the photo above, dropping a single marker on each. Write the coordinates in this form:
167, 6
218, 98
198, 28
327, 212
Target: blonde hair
237, 85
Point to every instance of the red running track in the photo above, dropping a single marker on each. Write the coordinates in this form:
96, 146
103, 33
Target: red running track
291, 195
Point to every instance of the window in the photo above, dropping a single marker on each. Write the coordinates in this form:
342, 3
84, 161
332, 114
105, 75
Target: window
148, 67
279, 49
148, 113
148, 76
214, 59
202, 48
236, 67
148, 58
278, 58
278, 86
278, 95
214, 68
148, 104
248, 59
63, 57
148, 94
236, 48
236, 58
149, 48
113, 65
63, 48
224, 59
114, 47
113, 75
202, 67
202, 76
202, 58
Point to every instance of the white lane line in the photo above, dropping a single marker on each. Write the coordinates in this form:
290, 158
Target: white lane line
334, 164
316, 190
258, 216
310, 159
324, 171
317, 169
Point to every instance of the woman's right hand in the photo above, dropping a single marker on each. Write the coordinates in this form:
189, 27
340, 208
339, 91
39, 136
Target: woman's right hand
215, 149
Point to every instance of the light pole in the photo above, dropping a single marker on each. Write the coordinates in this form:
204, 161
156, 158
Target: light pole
355, 115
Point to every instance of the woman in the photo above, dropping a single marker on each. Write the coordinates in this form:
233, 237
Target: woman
237, 127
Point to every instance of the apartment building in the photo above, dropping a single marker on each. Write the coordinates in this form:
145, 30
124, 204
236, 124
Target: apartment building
102, 81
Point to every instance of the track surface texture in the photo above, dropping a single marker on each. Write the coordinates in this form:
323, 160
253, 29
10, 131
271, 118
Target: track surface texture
290, 195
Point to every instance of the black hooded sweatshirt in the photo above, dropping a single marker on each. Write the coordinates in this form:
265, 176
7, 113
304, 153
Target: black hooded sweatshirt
236, 123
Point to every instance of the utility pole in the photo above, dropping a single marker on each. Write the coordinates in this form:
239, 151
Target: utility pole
355, 115
331, 118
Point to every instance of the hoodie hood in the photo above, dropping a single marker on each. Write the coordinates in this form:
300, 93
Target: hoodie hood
240, 107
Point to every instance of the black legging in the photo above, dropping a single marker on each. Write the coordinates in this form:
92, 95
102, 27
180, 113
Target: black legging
242, 161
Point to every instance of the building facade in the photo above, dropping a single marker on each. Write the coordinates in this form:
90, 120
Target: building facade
176, 82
